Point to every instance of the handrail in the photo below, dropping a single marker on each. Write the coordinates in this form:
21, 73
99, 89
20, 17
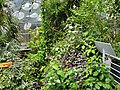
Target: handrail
113, 56
115, 75
115, 64
116, 81
115, 70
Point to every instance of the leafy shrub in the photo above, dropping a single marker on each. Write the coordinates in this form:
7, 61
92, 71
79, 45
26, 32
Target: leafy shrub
61, 39
59, 78
50, 31
8, 25
15, 77
86, 25
8, 32
55, 14
18, 76
117, 48
97, 77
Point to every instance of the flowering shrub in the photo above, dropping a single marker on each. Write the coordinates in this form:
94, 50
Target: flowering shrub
84, 24
57, 77
98, 77
65, 39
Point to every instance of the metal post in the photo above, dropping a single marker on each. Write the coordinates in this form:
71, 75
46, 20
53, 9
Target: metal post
103, 55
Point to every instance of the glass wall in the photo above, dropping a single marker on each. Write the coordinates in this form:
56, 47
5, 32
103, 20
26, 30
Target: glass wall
28, 14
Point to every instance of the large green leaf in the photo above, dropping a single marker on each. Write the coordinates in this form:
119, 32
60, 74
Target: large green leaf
95, 73
61, 73
55, 66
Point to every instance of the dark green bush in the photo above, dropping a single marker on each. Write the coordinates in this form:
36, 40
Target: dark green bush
55, 14
8, 25
70, 29
66, 39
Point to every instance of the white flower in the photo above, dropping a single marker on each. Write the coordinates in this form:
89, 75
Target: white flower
61, 1
57, 81
70, 27
74, 6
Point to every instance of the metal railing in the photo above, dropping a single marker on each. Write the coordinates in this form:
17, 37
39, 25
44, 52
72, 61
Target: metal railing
114, 71
112, 61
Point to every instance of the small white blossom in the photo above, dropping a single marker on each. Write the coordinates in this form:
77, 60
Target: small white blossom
57, 81
70, 27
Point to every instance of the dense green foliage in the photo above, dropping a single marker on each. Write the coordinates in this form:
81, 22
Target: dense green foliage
115, 31
59, 78
8, 25
8, 45
8, 31
74, 33
63, 55
54, 14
